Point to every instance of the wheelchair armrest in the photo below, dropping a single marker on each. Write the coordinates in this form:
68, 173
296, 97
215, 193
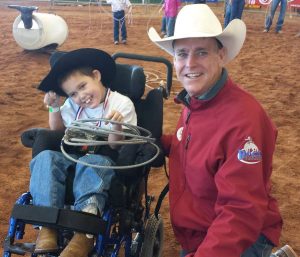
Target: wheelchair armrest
147, 151
40, 139
136, 154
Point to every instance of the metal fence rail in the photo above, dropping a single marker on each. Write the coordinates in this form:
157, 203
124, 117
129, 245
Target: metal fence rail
103, 2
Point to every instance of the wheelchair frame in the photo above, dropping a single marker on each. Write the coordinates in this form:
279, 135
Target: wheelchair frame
126, 222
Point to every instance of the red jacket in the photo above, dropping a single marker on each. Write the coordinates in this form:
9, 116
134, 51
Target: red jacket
220, 162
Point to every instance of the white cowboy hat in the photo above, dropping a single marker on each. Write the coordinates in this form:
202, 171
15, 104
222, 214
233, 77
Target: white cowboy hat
198, 20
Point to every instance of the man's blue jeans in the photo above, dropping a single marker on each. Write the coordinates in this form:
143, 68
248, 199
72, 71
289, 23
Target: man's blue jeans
237, 8
261, 248
271, 14
49, 171
119, 19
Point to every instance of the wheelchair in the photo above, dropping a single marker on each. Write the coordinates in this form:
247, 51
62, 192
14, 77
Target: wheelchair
127, 227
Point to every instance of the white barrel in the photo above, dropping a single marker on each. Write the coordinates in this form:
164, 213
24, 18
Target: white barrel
47, 29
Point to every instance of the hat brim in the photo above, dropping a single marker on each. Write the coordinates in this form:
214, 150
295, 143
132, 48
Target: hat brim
84, 57
232, 38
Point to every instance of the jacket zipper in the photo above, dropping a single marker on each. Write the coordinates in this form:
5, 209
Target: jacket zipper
187, 141
188, 117
189, 135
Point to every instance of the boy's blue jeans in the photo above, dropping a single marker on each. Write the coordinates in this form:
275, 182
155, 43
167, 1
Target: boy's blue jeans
119, 19
261, 248
274, 6
49, 170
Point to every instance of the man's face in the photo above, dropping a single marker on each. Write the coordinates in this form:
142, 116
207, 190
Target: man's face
198, 63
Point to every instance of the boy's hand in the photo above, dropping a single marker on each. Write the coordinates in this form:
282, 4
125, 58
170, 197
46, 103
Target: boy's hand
115, 116
51, 99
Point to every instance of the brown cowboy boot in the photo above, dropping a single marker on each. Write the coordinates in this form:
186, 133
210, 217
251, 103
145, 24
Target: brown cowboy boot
79, 246
46, 241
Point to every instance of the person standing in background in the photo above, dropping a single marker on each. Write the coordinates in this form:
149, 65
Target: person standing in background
119, 8
269, 19
171, 8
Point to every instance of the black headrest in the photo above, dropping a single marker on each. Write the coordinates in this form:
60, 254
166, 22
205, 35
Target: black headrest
129, 80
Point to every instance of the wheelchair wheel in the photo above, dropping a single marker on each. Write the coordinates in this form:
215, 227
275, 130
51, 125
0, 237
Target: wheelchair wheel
154, 236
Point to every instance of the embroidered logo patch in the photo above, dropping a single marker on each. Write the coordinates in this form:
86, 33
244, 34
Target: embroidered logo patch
250, 154
179, 133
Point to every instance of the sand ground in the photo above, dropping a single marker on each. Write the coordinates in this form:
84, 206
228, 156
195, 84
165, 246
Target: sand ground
268, 67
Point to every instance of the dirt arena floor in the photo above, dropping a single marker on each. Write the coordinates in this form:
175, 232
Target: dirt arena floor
268, 67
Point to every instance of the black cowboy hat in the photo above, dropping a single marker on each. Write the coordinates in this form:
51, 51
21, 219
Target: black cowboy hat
64, 62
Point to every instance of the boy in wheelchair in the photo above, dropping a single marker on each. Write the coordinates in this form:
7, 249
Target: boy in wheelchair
84, 77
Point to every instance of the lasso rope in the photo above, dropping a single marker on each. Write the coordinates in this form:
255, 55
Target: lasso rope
157, 78
85, 133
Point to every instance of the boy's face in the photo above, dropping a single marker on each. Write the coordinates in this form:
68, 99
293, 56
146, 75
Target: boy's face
198, 63
86, 91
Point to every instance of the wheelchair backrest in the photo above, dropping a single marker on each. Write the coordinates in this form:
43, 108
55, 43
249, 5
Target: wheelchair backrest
130, 80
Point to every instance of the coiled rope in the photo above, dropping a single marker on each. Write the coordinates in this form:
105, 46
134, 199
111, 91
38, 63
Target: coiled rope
85, 133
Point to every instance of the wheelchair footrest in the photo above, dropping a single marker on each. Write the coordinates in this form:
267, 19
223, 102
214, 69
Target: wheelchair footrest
18, 248
59, 218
